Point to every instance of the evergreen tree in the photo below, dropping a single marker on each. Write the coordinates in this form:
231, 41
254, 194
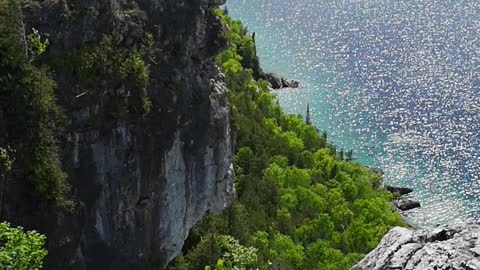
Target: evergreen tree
307, 120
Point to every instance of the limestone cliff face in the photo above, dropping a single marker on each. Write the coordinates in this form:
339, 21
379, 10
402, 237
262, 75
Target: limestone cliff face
445, 247
140, 184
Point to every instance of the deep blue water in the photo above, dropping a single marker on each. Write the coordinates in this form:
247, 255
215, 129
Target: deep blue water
398, 81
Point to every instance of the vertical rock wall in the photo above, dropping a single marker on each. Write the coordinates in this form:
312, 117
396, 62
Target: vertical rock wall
141, 184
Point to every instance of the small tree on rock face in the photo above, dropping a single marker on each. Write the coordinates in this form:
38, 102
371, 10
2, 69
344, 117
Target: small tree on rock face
19, 250
35, 45
5, 161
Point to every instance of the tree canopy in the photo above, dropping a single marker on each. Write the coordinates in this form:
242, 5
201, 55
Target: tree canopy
20, 250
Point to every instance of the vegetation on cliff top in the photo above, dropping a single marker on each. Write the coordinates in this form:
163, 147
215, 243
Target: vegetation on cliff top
299, 205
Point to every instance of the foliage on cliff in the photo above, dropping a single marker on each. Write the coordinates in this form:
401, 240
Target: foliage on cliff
107, 65
29, 115
19, 250
299, 206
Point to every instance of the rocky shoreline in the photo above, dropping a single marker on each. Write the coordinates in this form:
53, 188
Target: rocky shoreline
404, 200
455, 247
276, 81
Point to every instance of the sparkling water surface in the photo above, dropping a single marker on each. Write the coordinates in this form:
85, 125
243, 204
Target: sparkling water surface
398, 81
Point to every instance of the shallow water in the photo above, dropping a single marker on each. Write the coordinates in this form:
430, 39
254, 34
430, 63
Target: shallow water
397, 81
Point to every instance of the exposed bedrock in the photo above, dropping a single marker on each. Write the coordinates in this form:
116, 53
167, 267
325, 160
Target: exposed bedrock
454, 247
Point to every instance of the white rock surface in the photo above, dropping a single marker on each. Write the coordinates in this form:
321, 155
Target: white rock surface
454, 247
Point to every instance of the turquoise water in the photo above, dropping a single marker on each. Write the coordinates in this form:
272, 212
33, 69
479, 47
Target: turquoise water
397, 81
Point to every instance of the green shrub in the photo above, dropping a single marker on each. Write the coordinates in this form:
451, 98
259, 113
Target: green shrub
106, 65
35, 44
6, 161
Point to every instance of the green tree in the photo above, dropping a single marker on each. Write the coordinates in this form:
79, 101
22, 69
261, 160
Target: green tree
319, 228
284, 253
19, 250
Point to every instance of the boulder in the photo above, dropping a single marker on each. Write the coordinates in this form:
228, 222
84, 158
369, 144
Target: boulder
406, 203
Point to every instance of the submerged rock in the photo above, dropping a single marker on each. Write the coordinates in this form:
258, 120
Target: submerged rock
453, 247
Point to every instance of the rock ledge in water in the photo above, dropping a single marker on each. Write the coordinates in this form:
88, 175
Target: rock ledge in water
445, 247
278, 82
406, 202
399, 190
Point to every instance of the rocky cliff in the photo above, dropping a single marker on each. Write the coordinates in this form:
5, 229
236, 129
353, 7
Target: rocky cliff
445, 247
141, 180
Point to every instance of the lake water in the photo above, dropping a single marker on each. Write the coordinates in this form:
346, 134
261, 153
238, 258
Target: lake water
395, 80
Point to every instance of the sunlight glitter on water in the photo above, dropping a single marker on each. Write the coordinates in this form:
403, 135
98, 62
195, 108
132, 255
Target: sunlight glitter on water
398, 81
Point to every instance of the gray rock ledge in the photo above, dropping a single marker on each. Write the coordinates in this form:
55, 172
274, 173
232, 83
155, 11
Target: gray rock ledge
454, 247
